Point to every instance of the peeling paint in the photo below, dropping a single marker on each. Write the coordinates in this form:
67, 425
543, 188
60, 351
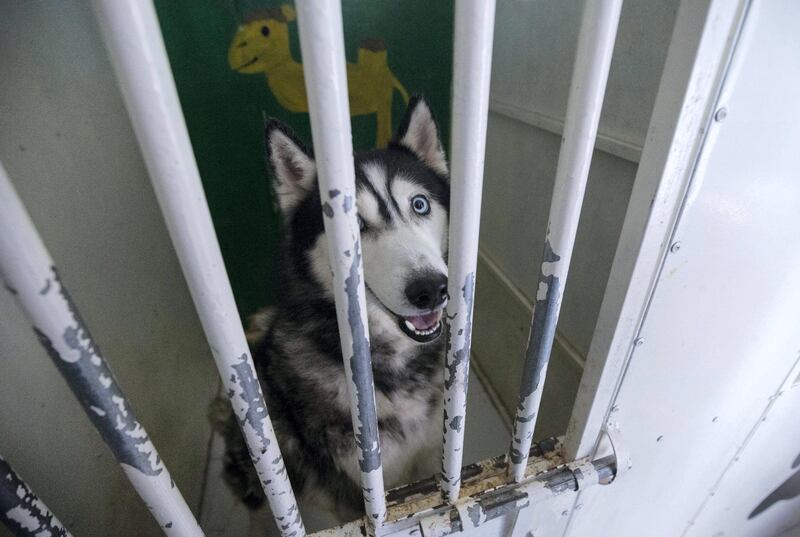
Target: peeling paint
361, 371
46, 288
455, 423
95, 387
22, 512
327, 209
487, 495
537, 356
333, 193
347, 204
254, 413
459, 341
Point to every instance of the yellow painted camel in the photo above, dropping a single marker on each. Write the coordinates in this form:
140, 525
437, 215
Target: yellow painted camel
261, 45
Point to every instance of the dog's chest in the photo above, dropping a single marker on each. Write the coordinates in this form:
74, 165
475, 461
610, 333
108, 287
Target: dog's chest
410, 419
411, 437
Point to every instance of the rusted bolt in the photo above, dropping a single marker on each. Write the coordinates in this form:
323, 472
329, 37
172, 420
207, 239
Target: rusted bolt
639, 341
675, 247
721, 114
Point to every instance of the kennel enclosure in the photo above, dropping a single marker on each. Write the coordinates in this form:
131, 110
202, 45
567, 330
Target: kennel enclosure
716, 46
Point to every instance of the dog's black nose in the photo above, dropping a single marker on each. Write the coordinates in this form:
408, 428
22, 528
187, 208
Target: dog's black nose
427, 291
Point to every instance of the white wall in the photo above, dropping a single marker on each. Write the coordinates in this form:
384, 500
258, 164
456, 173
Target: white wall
708, 406
66, 142
534, 50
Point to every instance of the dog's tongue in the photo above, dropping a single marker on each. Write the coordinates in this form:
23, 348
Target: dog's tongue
424, 322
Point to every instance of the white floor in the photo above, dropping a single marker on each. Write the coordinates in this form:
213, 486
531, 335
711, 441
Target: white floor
487, 435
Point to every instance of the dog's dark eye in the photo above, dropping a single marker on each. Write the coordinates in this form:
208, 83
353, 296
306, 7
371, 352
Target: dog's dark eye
420, 204
361, 224
264, 31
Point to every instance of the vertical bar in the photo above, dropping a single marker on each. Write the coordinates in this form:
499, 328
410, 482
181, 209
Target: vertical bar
136, 48
322, 45
28, 271
589, 76
472, 62
22, 512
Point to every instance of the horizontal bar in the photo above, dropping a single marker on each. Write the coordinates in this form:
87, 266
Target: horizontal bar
28, 271
472, 62
21, 511
589, 76
416, 508
322, 46
133, 38
471, 513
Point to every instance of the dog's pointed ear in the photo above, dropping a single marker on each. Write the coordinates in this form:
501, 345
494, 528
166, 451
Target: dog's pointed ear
418, 132
293, 168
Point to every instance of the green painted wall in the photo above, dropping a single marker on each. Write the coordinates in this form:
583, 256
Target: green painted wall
224, 110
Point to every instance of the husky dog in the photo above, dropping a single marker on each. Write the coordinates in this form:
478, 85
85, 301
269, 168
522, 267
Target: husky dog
402, 203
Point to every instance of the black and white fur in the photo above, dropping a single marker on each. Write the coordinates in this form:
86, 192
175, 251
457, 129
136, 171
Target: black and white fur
402, 202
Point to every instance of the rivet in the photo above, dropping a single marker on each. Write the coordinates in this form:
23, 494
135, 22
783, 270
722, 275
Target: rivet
721, 114
639, 341
675, 247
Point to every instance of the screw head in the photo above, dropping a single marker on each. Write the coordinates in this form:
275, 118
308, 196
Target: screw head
675, 247
721, 114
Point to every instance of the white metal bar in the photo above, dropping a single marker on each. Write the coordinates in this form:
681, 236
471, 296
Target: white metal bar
589, 76
472, 62
136, 48
322, 46
28, 271
22, 512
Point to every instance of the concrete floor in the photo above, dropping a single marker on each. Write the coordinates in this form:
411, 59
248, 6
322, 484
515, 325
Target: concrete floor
487, 435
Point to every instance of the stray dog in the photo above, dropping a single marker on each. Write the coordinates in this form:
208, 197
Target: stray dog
403, 204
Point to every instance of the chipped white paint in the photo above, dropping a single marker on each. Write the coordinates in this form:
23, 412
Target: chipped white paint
28, 271
490, 504
322, 45
472, 60
22, 512
133, 38
590, 74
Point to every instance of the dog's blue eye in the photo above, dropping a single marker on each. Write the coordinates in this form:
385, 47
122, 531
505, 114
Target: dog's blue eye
420, 204
361, 224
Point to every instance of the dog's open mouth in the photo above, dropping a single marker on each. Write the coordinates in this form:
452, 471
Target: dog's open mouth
423, 328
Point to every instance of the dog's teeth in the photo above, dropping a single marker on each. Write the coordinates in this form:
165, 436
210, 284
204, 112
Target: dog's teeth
410, 326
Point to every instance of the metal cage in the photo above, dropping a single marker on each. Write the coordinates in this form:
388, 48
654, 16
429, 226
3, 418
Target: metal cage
463, 497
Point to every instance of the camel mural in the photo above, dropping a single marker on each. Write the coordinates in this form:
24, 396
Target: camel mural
261, 45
